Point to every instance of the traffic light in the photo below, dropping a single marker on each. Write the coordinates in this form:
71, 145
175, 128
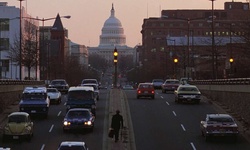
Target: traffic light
115, 56
231, 60
175, 60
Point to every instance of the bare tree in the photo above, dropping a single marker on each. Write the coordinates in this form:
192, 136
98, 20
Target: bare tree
29, 51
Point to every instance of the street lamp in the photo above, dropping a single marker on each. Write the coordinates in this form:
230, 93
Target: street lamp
43, 20
214, 75
175, 66
20, 44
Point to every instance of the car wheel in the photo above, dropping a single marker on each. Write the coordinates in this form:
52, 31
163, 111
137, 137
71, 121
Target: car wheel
198, 102
4, 138
153, 97
138, 97
207, 138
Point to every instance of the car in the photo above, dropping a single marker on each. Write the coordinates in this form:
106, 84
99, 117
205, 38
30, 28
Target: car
170, 85
81, 97
187, 93
219, 125
60, 84
35, 101
19, 125
127, 87
96, 89
145, 90
185, 80
73, 145
157, 83
78, 118
55, 96
92, 81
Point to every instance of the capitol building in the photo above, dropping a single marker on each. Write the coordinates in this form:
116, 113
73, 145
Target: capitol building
112, 37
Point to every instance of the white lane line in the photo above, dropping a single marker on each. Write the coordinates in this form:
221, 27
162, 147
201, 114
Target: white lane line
64, 104
167, 103
59, 113
183, 128
192, 144
43, 146
51, 128
174, 113
162, 97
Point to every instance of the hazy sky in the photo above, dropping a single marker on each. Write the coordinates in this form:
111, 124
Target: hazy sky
88, 16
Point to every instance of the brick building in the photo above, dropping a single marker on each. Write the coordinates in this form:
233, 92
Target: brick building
187, 35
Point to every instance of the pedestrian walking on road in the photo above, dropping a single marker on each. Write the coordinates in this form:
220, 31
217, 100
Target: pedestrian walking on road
116, 124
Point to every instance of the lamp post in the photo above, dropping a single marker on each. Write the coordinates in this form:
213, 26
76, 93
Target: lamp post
43, 45
214, 73
20, 40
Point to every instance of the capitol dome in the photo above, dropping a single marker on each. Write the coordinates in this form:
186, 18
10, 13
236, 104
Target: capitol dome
112, 32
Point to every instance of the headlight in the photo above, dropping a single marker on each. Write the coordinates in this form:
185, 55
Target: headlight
66, 123
6, 129
88, 123
27, 129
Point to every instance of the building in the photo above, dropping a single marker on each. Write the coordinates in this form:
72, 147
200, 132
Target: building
201, 43
112, 37
79, 52
10, 42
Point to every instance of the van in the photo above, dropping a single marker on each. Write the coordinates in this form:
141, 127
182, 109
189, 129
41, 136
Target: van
81, 97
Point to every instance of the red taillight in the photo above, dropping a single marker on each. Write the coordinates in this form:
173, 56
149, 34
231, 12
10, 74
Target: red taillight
138, 91
153, 92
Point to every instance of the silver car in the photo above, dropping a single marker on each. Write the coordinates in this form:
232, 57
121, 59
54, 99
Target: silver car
54, 95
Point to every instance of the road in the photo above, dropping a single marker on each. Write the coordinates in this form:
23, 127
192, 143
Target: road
48, 133
162, 124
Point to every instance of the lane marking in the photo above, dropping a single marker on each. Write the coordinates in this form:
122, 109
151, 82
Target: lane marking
174, 113
64, 104
59, 113
192, 144
162, 97
43, 146
167, 103
183, 128
51, 128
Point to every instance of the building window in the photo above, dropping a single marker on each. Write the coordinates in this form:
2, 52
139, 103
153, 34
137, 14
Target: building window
4, 44
5, 65
4, 24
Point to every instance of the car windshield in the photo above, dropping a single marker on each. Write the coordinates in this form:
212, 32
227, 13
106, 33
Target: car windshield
72, 148
52, 90
89, 81
58, 82
172, 82
31, 96
17, 118
188, 89
145, 86
220, 119
77, 114
80, 95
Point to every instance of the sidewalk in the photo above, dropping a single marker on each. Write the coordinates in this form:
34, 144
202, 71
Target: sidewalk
118, 101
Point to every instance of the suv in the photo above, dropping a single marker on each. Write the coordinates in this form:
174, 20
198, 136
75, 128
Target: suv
90, 81
35, 100
81, 97
96, 89
60, 84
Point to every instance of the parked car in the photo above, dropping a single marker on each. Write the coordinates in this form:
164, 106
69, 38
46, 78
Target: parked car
19, 125
96, 89
78, 118
187, 93
73, 145
60, 84
157, 83
55, 96
219, 125
170, 85
145, 90
35, 101
81, 97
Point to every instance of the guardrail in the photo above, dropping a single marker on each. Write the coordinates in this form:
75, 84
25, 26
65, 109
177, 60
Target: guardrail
20, 82
234, 81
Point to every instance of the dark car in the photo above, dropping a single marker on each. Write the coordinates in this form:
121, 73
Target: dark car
73, 145
145, 90
78, 118
60, 84
35, 100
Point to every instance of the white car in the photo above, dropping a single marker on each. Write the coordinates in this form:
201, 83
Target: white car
74, 145
54, 95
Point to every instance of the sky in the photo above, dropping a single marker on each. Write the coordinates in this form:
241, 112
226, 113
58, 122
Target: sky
88, 16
